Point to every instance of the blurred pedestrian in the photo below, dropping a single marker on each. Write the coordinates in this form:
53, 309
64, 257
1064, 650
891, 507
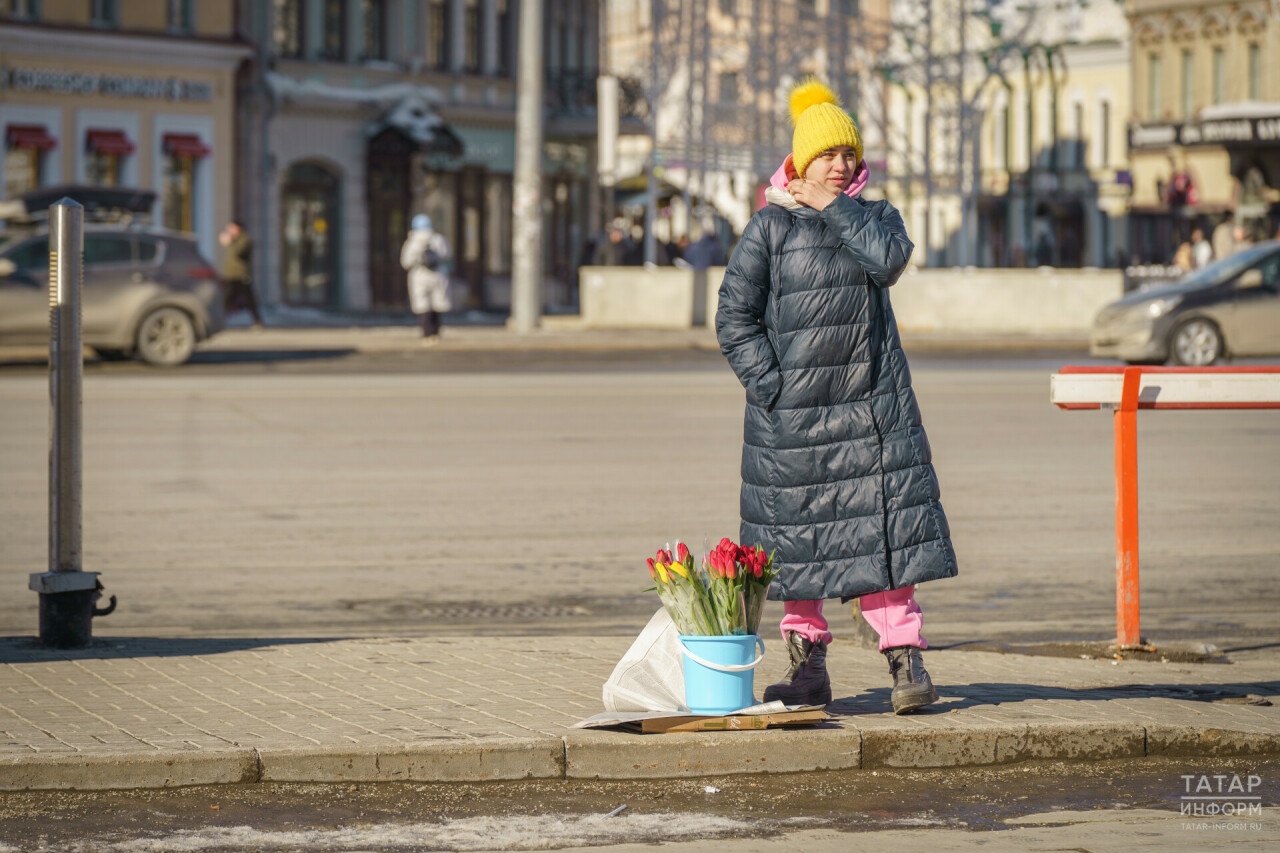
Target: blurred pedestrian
706, 252
237, 276
614, 250
1241, 238
837, 476
1201, 251
1183, 258
1044, 250
425, 255
1224, 241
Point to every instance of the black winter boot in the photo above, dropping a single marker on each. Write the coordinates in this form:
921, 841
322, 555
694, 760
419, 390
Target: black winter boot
912, 687
807, 681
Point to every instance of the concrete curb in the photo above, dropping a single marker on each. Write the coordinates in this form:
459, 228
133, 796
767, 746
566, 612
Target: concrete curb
619, 755
500, 760
88, 771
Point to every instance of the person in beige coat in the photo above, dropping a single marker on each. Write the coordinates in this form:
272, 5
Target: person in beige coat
425, 255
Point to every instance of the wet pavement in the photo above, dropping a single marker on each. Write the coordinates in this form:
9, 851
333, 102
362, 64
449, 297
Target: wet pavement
985, 805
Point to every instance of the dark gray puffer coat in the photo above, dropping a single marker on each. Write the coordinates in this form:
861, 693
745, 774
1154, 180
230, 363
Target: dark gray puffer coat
836, 468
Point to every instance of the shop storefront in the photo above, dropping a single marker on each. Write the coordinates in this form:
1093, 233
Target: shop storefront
111, 109
1196, 174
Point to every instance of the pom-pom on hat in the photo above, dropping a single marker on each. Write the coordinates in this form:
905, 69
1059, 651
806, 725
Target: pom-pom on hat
820, 124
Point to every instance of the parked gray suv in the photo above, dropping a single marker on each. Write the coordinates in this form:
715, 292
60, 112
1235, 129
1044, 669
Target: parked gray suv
148, 293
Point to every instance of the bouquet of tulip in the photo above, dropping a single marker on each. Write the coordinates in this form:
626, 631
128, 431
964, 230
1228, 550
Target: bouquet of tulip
724, 597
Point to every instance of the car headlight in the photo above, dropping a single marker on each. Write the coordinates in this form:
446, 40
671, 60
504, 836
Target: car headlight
1160, 307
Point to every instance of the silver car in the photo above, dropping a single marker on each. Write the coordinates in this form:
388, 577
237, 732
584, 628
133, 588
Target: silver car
147, 292
1229, 308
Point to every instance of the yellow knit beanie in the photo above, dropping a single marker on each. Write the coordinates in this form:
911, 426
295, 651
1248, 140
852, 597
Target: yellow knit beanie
820, 124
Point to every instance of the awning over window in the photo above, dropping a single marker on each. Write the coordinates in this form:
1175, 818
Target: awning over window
29, 136
185, 145
109, 142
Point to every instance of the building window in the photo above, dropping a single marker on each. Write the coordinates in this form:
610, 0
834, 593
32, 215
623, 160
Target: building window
24, 159
728, 87
181, 16
1077, 130
1104, 135
24, 10
505, 52
497, 243
1219, 74
1153, 85
438, 34
1002, 137
1255, 71
105, 151
287, 29
1188, 79
309, 238
104, 13
334, 42
373, 16
181, 153
850, 8
21, 171
471, 36
728, 7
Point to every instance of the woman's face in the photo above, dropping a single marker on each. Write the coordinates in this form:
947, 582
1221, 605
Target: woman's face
833, 167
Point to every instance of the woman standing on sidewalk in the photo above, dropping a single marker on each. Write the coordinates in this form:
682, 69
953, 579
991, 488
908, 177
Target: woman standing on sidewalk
835, 463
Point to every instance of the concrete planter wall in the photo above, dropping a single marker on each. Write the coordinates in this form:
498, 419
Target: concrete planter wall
1043, 301
639, 298
948, 301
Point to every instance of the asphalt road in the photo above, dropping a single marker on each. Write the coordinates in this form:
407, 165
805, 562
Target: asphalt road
388, 493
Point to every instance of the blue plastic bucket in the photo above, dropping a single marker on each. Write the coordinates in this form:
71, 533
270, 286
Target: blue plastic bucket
719, 672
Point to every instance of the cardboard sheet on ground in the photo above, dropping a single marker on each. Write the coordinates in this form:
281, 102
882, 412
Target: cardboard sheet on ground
767, 715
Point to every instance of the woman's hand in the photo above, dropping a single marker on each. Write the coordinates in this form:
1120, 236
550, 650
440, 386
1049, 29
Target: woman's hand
815, 194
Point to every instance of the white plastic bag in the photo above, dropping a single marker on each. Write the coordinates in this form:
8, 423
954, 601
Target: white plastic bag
650, 676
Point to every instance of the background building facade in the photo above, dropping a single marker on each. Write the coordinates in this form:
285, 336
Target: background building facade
359, 114
1205, 127
138, 94
1004, 125
712, 78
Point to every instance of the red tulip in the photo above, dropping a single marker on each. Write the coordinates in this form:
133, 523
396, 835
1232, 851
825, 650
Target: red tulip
682, 551
653, 572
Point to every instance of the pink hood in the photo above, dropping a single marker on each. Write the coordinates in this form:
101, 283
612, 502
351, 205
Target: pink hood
787, 173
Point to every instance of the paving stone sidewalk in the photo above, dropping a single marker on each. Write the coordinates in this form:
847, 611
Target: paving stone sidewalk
156, 712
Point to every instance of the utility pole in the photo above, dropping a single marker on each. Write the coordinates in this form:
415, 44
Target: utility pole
526, 279
651, 177
962, 166
928, 129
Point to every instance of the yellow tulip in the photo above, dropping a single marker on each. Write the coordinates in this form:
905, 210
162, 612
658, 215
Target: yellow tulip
662, 573
679, 569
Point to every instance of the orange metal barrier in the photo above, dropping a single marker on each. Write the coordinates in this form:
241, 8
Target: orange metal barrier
1076, 387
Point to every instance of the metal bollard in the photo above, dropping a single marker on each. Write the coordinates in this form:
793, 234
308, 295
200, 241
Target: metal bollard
67, 593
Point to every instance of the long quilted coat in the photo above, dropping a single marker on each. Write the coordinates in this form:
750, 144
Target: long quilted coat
836, 468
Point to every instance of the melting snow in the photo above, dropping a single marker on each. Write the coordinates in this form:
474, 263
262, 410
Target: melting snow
480, 833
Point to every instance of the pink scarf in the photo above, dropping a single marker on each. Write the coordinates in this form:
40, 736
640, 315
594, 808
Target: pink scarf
787, 173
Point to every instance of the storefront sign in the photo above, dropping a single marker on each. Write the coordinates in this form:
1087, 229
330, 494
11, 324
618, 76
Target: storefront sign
105, 85
1235, 132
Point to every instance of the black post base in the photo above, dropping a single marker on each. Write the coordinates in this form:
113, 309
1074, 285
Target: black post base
66, 619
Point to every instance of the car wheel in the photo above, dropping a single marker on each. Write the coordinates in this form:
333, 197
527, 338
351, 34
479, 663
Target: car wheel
1196, 343
166, 337
113, 354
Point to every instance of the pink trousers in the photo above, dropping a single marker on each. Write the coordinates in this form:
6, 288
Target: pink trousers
894, 614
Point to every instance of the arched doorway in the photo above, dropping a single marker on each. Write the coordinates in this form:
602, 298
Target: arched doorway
309, 237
